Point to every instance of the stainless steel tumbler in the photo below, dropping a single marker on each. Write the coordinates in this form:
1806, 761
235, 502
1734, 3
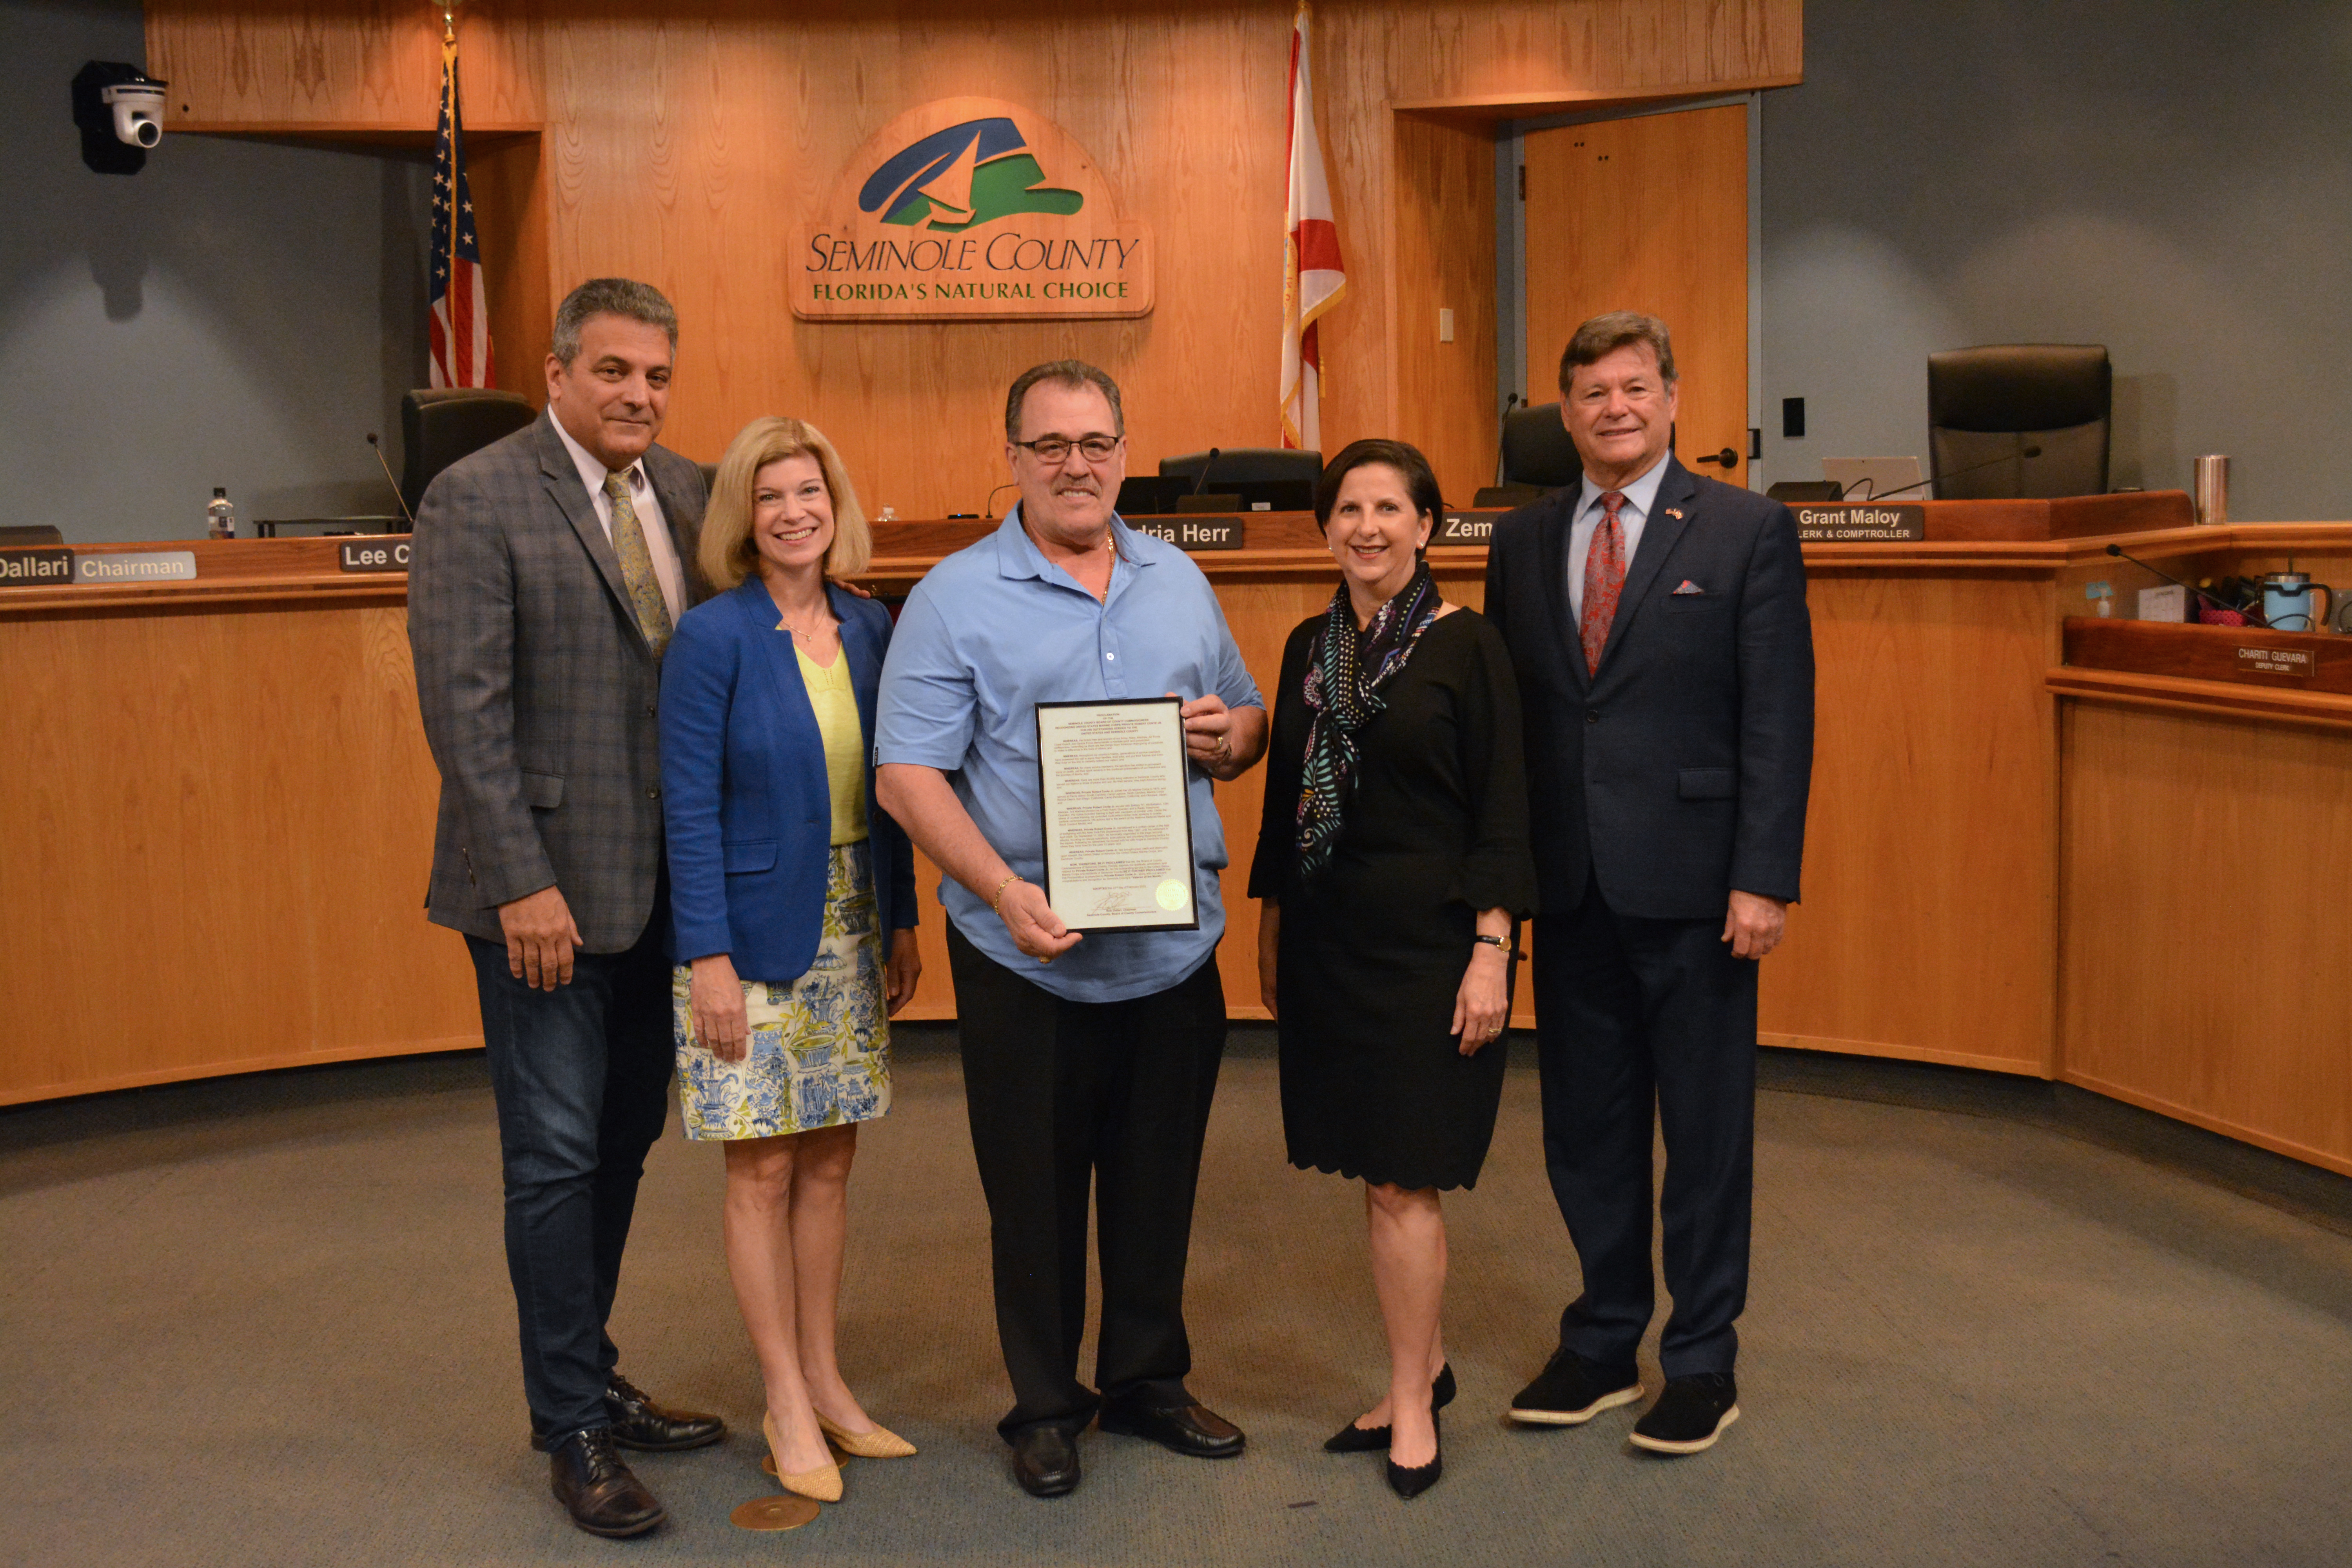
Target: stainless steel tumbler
2211, 491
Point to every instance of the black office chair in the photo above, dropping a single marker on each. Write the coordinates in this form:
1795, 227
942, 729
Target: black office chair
1986, 405
1538, 458
1247, 466
439, 425
709, 477
30, 536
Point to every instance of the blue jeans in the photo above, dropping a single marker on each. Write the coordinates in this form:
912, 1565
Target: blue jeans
582, 1078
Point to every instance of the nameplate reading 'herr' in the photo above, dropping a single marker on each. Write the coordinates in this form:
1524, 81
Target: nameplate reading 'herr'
1860, 522
970, 209
1216, 534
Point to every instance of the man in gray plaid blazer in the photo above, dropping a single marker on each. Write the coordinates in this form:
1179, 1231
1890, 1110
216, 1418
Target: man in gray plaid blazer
547, 572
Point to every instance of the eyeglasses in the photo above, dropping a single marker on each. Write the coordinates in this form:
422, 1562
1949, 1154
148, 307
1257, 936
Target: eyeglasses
1054, 451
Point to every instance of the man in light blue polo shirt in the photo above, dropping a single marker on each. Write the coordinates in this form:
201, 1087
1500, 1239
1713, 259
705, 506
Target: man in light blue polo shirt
1086, 1060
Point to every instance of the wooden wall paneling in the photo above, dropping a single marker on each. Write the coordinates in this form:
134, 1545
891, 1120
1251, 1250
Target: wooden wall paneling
2204, 864
229, 816
1446, 393
1928, 925
507, 175
288, 65
1648, 214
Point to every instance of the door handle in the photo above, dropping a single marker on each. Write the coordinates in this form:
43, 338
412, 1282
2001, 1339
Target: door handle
1727, 458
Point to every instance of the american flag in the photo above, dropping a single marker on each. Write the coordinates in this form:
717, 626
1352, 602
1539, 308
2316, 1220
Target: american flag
461, 310
1313, 276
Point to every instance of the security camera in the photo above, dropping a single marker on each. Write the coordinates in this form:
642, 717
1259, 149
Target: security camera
118, 108
138, 111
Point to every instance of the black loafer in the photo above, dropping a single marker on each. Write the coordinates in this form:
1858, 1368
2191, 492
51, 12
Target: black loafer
1689, 1416
1354, 1439
1192, 1429
597, 1488
1570, 1390
639, 1423
1045, 1462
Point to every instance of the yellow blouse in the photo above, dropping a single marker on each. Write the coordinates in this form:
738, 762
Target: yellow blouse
835, 701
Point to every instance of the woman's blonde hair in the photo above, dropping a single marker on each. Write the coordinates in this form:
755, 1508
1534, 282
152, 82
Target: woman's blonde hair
728, 551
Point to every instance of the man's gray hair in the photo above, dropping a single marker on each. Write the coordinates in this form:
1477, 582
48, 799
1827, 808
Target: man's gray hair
1603, 335
609, 296
1073, 374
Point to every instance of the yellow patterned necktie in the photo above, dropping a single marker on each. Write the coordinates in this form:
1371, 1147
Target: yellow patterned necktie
637, 566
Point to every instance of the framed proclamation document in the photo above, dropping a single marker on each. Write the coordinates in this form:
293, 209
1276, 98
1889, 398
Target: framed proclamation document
1117, 814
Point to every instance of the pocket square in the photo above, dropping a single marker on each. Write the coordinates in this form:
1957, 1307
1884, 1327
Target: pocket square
1687, 588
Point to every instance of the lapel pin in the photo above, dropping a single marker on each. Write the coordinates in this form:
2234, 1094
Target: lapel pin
1675, 512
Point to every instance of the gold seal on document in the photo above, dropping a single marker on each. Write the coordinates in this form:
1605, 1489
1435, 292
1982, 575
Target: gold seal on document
1171, 895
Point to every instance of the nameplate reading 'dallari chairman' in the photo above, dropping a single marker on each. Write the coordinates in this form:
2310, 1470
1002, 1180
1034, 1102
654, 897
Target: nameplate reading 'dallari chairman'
970, 209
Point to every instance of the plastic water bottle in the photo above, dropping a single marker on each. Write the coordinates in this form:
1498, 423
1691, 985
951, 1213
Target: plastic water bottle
220, 517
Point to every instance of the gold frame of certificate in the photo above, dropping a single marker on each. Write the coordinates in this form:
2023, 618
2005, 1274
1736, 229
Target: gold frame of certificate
1115, 804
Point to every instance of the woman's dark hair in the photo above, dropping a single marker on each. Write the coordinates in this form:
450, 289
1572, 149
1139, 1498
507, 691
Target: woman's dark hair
1419, 478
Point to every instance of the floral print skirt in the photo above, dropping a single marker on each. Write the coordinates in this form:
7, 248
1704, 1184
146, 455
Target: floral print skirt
820, 1047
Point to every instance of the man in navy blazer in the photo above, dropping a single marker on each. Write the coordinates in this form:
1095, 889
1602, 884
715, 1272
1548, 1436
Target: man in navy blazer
1657, 622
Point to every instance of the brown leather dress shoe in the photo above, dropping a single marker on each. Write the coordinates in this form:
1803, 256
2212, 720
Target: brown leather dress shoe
596, 1486
639, 1423
1190, 1429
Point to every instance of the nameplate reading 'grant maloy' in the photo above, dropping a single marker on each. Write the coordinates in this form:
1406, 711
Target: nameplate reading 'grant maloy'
1214, 533
1861, 522
386, 552
2294, 663
970, 209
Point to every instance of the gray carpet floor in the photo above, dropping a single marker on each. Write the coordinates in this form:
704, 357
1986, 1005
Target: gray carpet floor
266, 1320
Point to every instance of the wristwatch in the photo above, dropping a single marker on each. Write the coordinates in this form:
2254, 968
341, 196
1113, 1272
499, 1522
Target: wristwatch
1502, 942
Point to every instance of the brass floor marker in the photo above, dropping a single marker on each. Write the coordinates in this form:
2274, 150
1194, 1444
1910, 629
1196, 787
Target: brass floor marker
783, 1511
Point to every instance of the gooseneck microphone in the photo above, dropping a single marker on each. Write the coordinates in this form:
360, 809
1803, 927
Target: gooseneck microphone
1501, 441
1206, 464
1956, 473
398, 499
2252, 614
988, 507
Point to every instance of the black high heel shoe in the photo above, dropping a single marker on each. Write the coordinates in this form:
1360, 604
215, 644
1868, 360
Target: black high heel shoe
1354, 1439
1412, 1483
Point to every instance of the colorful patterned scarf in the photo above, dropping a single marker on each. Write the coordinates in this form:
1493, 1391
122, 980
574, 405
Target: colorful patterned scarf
1345, 671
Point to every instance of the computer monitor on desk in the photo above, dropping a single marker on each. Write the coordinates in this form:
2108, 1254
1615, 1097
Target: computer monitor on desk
1165, 494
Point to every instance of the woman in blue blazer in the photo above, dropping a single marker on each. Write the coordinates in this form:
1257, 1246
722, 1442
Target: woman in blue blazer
786, 881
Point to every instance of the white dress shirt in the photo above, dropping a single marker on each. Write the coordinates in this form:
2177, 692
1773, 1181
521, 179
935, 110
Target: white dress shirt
1631, 513
645, 504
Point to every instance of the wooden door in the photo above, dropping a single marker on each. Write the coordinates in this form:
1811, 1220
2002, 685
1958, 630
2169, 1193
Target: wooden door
1648, 214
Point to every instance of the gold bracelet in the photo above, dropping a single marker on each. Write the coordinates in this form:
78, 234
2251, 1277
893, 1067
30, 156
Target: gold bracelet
997, 897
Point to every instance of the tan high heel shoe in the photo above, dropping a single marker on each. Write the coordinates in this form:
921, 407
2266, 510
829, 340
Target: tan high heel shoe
879, 1444
824, 1483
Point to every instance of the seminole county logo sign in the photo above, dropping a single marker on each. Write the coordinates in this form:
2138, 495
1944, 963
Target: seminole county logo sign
970, 209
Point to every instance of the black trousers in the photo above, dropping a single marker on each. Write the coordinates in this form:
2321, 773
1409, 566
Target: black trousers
582, 1079
1633, 1014
1062, 1094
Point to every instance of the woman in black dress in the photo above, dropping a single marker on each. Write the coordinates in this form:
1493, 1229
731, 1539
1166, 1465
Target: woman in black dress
1392, 868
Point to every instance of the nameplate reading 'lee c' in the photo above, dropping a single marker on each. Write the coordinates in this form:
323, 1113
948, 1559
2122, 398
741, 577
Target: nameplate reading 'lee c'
1216, 534
1118, 815
384, 553
1862, 522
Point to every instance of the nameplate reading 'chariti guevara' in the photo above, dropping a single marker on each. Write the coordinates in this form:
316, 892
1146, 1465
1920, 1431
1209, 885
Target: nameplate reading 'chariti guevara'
970, 209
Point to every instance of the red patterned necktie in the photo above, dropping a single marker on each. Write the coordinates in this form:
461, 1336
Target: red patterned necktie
1604, 579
